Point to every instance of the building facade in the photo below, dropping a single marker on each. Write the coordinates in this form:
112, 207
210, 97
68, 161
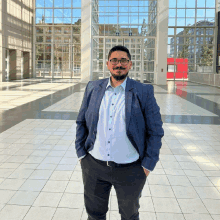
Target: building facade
16, 39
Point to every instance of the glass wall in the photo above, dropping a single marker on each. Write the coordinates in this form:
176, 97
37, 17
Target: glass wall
191, 33
58, 38
128, 23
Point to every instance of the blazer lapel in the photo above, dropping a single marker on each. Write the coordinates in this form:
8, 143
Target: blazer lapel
128, 101
96, 99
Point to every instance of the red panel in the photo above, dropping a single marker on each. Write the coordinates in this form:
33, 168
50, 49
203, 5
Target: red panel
181, 68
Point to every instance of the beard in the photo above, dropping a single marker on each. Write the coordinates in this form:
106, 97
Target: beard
119, 77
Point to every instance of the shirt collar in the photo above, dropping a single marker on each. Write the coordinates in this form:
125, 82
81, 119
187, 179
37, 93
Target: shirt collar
123, 85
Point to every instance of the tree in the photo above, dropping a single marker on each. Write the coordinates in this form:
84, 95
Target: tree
184, 52
206, 58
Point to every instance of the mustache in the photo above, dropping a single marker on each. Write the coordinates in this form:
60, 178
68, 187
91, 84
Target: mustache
119, 68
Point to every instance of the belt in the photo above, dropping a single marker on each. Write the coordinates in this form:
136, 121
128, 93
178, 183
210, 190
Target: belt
113, 164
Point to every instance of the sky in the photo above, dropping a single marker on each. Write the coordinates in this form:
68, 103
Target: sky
104, 17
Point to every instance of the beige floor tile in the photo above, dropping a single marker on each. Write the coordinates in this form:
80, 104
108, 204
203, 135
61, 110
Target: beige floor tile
198, 217
174, 172
215, 180
61, 175
41, 174
157, 180
33, 185
9, 165
212, 173
23, 198
200, 181
194, 206
6, 195
68, 214
70, 200
178, 180
212, 205
76, 176
21, 174
10, 212
208, 192
216, 217
75, 187
169, 216
161, 191
169, 205
40, 213
55, 186
184, 192
146, 204
4, 173
196, 173
48, 199
12, 184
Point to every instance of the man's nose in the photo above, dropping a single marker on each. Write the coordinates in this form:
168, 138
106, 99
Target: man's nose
119, 63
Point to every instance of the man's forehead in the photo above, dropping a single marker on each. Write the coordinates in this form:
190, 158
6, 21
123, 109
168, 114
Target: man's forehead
119, 54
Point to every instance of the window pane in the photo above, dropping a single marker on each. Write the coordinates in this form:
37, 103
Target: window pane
39, 39
210, 3
49, 3
200, 12
39, 30
201, 3
181, 22
210, 12
172, 13
67, 3
40, 3
190, 21
48, 12
181, 13
77, 13
181, 3
39, 12
172, 4
190, 3
58, 13
58, 3
76, 3
67, 13
209, 31
170, 31
48, 30
48, 20
171, 22
190, 12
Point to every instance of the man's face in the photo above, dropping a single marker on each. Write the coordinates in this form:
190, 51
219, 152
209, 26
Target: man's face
119, 71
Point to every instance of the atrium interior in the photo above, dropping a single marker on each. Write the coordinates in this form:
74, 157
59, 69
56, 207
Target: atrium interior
51, 49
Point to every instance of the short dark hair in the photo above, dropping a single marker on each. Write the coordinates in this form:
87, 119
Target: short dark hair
119, 48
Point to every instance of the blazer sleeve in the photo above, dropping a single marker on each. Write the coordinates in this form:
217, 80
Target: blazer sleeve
154, 131
81, 127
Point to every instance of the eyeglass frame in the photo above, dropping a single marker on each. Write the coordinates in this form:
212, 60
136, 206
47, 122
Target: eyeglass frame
119, 61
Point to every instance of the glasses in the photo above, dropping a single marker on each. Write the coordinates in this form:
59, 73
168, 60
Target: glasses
115, 61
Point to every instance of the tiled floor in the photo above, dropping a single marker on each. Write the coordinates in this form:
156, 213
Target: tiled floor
40, 176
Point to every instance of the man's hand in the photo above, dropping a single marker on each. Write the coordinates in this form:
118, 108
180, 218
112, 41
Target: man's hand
146, 171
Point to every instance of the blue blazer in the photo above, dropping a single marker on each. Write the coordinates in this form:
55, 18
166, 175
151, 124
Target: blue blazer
143, 120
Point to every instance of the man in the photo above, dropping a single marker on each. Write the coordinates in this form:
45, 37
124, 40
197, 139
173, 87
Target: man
118, 138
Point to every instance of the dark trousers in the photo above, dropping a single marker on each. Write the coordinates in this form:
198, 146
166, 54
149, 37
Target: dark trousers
98, 179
